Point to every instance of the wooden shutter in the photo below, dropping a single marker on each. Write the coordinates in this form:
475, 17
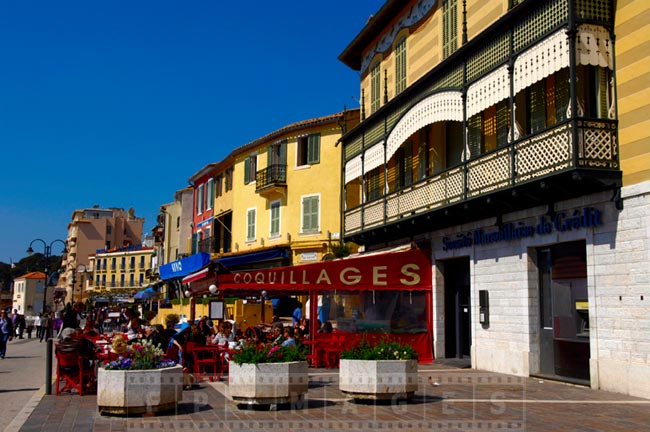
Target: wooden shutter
247, 171
313, 149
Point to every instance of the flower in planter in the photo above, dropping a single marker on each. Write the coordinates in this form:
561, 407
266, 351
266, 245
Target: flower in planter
268, 353
137, 356
381, 350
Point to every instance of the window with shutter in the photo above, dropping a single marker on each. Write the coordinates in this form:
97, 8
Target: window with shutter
400, 66
375, 87
313, 149
373, 184
250, 225
310, 207
275, 219
308, 151
209, 195
449, 27
250, 169
537, 106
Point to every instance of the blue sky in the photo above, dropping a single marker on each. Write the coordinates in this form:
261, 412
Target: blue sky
119, 102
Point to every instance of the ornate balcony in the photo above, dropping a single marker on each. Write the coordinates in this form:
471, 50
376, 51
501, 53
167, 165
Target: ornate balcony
539, 169
271, 179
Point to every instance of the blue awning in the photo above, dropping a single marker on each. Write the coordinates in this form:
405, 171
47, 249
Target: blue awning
253, 257
182, 267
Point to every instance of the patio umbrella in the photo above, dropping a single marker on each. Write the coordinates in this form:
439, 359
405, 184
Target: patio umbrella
145, 294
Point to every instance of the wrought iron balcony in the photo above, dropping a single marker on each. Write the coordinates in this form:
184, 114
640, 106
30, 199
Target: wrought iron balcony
538, 169
207, 245
271, 178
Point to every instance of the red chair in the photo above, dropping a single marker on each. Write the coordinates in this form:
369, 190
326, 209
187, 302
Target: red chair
204, 359
333, 350
74, 372
316, 356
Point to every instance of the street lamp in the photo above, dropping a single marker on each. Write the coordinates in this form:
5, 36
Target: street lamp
74, 280
47, 253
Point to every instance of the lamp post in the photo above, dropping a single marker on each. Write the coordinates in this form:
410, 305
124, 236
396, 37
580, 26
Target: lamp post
83, 280
74, 281
47, 253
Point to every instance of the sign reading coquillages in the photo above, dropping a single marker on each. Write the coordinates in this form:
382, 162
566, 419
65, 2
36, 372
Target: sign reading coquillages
409, 270
560, 222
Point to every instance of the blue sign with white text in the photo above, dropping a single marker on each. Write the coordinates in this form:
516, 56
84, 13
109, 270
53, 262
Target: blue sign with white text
560, 222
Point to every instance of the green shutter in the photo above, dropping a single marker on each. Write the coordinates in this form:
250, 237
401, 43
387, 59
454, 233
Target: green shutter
310, 214
313, 149
283, 152
474, 135
449, 27
247, 171
250, 232
537, 106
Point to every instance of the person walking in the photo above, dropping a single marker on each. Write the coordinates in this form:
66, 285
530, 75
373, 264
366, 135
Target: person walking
37, 324
6, 332
46, 327
57, 323
21, 325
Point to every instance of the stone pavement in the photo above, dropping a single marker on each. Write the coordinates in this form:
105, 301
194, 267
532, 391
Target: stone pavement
448, 399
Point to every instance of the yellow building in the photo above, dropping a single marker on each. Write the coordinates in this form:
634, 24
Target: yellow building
118, 272
287, 189
510, 139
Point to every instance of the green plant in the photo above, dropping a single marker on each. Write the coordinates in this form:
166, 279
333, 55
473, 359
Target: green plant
381, 350
137, 356
255, 354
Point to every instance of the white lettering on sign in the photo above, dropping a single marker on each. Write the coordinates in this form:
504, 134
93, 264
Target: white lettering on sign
177, 266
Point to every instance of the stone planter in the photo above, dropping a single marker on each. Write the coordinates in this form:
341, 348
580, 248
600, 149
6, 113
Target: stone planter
267, 383
125, 392
378, 379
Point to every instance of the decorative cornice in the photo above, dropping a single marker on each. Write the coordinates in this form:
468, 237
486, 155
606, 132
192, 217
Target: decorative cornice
413, 16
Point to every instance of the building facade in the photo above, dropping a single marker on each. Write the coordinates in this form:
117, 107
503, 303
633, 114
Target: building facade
508, 139
95, 229
28, 294
119, 272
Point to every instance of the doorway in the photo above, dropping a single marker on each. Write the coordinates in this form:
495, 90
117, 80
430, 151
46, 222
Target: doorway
457, 308
564, 312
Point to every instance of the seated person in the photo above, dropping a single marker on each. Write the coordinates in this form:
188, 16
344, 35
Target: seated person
278, 337
133, 327
90, 330
289, 341
225, 335
326, 328
72, 341
153, 335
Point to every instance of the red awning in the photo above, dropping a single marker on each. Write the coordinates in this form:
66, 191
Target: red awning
402, 270
196, 276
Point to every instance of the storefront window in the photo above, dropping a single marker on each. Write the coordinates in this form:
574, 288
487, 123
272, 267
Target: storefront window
385, 312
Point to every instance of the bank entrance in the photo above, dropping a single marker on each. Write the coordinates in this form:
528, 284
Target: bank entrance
564, 312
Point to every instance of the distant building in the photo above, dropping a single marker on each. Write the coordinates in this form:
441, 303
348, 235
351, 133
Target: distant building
119, 272
94, 229
28, 294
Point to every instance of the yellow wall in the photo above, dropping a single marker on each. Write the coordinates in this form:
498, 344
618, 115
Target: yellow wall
424, 43
172, 232
244, 314
633, 88
323, 179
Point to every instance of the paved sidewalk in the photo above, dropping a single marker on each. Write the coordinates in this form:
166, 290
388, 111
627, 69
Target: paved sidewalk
448, 399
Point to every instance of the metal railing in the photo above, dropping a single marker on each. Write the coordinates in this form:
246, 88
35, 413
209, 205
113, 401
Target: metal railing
549, 152
273, 175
